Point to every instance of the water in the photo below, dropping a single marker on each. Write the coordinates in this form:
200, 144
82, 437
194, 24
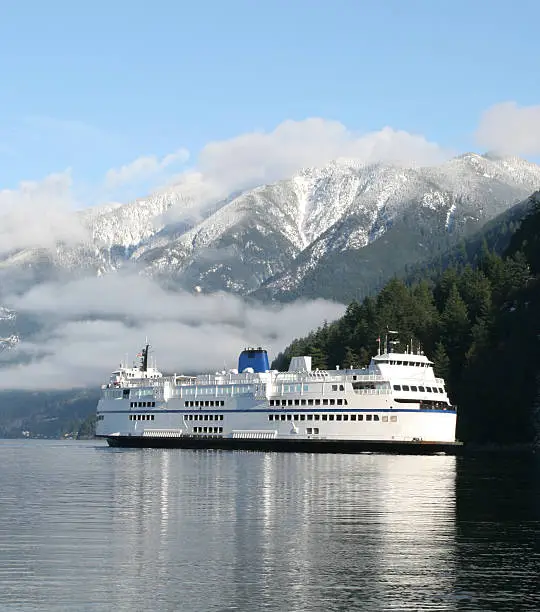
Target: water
85, 527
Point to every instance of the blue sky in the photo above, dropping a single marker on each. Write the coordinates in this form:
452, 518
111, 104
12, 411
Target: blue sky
94, 85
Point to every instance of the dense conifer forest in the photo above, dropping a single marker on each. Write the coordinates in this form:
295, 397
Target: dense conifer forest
477, 317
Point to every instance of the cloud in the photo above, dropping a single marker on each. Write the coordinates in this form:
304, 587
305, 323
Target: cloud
89, 326
258, 158
39, 214
143, 168
507, 128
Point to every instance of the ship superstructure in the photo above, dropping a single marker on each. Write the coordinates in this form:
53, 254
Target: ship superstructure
396, 403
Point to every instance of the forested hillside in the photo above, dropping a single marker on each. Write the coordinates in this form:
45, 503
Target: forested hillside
480, 324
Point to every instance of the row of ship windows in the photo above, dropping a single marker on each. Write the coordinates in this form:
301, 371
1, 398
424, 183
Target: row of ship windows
142, 404
415, 388
206, 403
203, 417
208, 430
331, 417
142, 417
309, 402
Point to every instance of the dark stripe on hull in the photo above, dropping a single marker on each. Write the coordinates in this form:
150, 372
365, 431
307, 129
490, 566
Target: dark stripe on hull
306, 446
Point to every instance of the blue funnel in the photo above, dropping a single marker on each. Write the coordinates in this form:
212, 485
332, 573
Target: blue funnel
253, 358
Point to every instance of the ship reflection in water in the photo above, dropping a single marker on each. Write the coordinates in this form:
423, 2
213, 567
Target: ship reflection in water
86, 527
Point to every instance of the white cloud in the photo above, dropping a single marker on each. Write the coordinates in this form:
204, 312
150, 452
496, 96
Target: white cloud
510, 129
143, 168
92, 322
39, 214
264, 157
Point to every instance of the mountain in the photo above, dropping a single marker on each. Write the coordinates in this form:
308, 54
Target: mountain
400, 217
334, 231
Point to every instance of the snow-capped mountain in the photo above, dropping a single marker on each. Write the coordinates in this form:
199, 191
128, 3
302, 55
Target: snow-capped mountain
274, 240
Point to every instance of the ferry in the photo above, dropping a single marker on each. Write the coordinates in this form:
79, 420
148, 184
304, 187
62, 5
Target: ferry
396, 404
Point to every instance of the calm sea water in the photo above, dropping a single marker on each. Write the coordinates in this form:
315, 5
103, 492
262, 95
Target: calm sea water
85, 527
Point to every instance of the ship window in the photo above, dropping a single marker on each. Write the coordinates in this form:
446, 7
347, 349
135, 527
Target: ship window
310, 402
330, 417
270, 417
186, 403
369, 417
309, 430
205, 429
282, 417
297, 402
405, 387
324, 417
375, 417
334, 387
428, 389
441, 390
393, 418
315, 430
316, 417
295, 417
345, 402
338, 417
271, 402
302, 417
413, 388
332, 402
397, 387
325, 402
421, 389
360, 417
353, 417
345, 417
339, 402
221, 417
303, 402
289, 402
317, 402
385, 419
341, 388
206, 417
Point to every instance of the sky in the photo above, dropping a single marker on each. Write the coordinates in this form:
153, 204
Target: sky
93, 87
106, 101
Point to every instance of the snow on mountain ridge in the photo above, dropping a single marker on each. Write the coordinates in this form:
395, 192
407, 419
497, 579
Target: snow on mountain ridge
286, 227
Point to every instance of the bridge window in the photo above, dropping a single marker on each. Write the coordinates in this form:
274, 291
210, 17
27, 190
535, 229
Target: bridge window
397, 387
405, 387
369, 417
413, 388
